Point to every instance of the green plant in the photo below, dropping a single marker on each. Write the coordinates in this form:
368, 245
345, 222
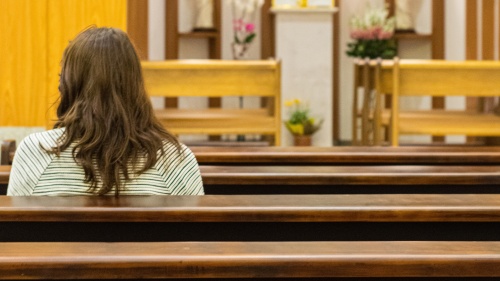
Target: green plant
300, 122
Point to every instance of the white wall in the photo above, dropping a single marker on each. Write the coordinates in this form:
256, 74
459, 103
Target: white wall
455, 50
156, 38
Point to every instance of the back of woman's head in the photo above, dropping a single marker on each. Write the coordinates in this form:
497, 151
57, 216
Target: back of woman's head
104, 108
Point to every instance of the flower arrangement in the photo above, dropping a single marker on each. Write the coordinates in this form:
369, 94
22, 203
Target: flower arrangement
244, 17
373, 35
300, 122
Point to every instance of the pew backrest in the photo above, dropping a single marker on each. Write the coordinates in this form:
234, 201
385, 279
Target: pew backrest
438, 78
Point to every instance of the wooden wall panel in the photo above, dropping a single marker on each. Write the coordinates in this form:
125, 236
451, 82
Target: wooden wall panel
23, 31
34, 35
66, 19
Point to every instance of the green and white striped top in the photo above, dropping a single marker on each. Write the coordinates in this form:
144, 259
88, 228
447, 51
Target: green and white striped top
36, 172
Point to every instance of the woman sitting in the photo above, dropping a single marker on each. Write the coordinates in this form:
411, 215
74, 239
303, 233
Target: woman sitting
106, 139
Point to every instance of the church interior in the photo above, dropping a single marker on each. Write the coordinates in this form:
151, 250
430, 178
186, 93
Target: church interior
310, 44
336, 140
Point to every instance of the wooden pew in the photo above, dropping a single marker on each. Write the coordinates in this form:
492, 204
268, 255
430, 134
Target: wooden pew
4, 178
342, 179
218, 78
347, 155
20, 261
416, 155
350, 179
436, 78
7, 152
435, 217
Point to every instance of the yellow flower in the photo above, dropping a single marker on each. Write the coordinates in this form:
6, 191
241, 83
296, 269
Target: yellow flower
288, 103
296, 101
296, 129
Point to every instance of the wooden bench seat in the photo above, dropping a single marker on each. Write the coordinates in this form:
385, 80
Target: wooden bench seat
4, 174
350, 179
450, 217
411, 155
343, 179
255, 208
19, 261
345, 155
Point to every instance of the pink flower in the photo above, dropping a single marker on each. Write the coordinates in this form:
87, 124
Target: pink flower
365, 35
356, 34
384, 35
250, 27
238, 24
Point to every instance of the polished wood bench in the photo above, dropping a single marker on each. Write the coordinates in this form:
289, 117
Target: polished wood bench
4, 177
19, 261
417, 155
345, 155
350, 179
7, 152
457, 217
342, 179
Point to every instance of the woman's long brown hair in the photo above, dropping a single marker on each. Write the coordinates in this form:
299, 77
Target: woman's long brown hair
106, 113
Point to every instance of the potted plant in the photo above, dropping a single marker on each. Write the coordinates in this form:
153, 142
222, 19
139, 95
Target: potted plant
301, 124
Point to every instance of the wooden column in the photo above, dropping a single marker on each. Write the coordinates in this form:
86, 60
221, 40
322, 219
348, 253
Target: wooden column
336, 75
215, 51
172, 40
267, 29
137, 26
438, 18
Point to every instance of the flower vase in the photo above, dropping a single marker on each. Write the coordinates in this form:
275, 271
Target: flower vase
302, 140
240, 51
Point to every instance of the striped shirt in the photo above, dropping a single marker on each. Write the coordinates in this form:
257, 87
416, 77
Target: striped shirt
36, 172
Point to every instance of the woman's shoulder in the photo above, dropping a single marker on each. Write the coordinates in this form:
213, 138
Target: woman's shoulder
176, 151
180, 170
42, 140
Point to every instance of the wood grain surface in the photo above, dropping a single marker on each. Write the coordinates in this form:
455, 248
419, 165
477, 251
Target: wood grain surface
430, 155
255, 208
340, 175
248, 260
350, 175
